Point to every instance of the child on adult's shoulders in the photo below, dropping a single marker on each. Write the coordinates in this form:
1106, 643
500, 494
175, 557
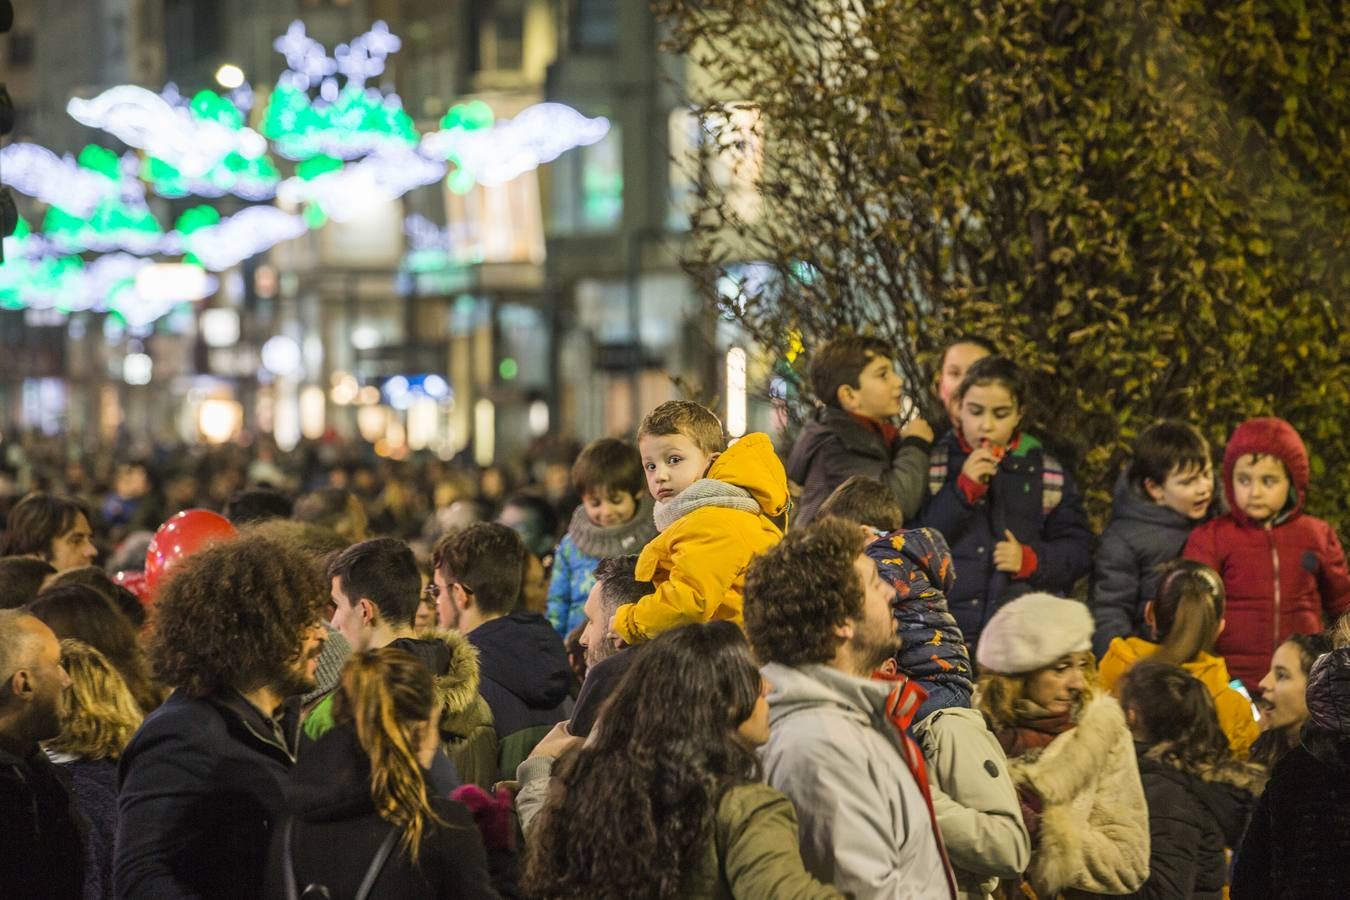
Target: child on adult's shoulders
918, 566
613, 520
854, 431
1284, 571
1166, 492
714, 512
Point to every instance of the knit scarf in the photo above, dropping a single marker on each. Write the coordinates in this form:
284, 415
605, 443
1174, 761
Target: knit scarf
1035, 728
704, 492
617, 540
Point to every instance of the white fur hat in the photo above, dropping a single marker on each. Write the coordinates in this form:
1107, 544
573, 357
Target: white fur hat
1033, 631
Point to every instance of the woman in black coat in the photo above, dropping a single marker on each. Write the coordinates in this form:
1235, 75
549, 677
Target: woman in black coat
360, 815
1298, 844
1199, 796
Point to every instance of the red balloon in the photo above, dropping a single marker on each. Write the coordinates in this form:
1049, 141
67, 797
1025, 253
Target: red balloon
135, 582
182, 536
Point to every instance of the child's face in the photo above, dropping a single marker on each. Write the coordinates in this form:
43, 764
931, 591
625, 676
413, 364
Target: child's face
672, 463
1185, 490
607, 508
879, 392
955, 362
1283, 701
989, 412
1260, 486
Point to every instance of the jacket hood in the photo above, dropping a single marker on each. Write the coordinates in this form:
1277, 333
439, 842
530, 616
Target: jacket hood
1329, 692
522, 653
811, 687
813, 436
1228, 802
1206, 668
752, 463
331, 780
1274, 437
1129, 504
452, 660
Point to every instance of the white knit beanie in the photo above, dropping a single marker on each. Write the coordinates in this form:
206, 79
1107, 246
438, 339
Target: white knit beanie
1033, 631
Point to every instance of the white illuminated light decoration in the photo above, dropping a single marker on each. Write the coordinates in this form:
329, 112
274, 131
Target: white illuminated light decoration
736, 410
145, 120
344, 194
538, 134
234, 239
137, 369
281, 355
308, 62
170, 282
39, 173
220, 327
229, 76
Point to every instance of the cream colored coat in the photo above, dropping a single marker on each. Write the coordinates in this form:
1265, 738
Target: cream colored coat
1094, 835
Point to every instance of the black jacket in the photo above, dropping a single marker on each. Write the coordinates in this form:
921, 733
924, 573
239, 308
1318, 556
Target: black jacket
335, 833
42, 854
600, 682
525, 679
1298, 844
1141, 536
200, 786
1016, 500
834, 446
1191, 822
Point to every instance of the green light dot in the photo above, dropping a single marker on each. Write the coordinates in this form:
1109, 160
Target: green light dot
508, 369
459, 181
314, 216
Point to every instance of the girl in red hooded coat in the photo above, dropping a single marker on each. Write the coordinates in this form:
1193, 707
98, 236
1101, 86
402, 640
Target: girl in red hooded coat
1282, 569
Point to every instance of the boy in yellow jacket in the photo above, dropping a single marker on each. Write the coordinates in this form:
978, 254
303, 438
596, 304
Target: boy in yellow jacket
713, 509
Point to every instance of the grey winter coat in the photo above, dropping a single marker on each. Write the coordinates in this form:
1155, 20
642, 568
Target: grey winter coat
865, 826
834, 446
1141, 536
974, 799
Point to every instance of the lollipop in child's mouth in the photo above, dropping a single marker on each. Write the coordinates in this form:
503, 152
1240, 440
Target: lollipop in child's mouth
998, 450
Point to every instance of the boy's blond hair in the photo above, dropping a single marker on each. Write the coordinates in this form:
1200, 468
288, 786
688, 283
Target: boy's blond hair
696, 422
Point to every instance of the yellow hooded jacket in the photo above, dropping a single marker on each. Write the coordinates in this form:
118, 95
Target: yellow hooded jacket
1235, 711
698, 562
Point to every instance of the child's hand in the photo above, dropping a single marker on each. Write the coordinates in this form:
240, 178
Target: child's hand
613, 636
917, 427
1008, 554
981, 465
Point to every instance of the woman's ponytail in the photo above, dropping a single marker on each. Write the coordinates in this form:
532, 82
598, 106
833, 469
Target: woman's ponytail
1187, 611
384, 692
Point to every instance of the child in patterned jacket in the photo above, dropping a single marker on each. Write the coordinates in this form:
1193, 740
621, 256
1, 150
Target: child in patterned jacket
918, 564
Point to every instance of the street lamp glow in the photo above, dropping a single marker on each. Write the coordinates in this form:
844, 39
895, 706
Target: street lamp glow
229, 76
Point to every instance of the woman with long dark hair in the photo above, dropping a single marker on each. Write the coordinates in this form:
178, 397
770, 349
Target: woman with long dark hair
1282, 701
360, 810
1187, 618
664, 800
1297, 846
1199, 794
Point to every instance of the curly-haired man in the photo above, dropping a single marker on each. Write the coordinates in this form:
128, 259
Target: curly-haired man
237, 634
819, 615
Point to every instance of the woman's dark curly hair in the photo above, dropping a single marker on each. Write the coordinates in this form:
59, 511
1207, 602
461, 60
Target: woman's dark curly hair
232, 614
653, 773
798, 590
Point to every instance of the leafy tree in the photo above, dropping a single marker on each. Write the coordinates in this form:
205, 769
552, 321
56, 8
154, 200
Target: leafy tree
1144, 202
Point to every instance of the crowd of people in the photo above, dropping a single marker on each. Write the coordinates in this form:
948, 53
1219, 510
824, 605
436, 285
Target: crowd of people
895, 663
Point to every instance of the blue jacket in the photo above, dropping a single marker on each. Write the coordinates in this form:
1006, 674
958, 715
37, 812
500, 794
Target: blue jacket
580, 551
200, 786
1033, 497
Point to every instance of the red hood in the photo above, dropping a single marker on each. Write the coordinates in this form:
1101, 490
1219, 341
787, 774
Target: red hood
1274, 437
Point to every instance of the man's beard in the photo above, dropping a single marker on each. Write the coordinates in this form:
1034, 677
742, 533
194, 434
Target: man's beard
873, 650
296, 678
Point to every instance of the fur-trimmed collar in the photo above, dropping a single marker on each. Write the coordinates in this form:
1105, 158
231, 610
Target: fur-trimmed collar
457, 677
1078, 752
617, 540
